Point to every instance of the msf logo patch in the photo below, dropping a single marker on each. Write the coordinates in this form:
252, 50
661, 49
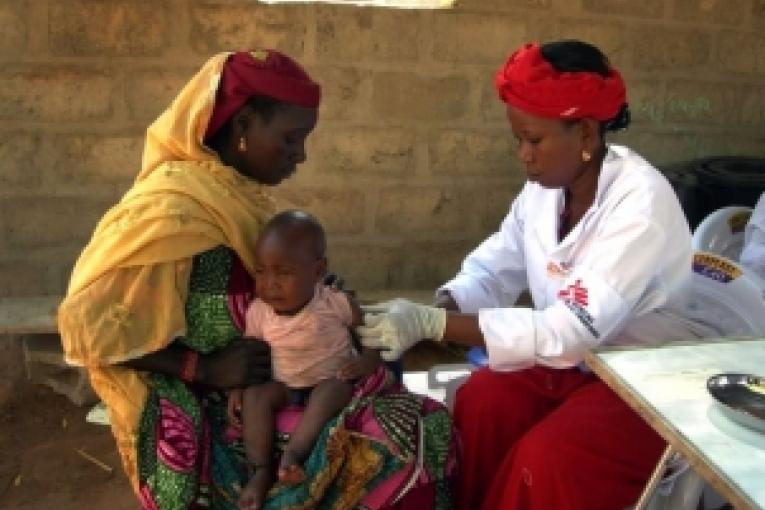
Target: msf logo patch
576, 293
576, 298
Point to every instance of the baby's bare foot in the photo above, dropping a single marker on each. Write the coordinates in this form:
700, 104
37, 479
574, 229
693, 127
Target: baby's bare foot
254, 493
290, 470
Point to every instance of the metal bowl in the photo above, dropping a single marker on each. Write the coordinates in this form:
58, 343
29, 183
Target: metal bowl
742, 398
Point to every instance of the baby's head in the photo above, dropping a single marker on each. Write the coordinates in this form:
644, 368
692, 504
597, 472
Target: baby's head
290, 260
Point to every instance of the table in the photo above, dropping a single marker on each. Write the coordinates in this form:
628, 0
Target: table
666, 385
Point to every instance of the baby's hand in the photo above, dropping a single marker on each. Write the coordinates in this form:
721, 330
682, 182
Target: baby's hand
357, 367
234, 410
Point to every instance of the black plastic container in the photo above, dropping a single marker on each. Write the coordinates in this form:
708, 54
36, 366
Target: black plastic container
705, 185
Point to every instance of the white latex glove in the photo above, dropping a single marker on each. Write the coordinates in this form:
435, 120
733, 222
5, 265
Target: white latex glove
395, 326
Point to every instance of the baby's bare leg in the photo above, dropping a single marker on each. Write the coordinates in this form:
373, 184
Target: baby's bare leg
260, 403
327, 399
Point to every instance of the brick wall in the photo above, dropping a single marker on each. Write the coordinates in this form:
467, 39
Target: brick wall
412, 162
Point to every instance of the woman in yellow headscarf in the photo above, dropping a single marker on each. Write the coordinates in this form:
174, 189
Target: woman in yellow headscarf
156, 302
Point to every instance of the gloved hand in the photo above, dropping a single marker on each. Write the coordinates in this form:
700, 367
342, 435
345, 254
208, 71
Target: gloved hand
395, 326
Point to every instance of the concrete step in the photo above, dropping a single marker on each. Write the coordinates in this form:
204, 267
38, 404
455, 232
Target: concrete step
45, 348
44, 364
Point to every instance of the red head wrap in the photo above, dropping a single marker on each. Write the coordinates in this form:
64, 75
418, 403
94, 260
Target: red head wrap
530, 83
260, 72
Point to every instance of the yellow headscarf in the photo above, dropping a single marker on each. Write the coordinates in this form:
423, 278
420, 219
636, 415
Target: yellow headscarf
127, 293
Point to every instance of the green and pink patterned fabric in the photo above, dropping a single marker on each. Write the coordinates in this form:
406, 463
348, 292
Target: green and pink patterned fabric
388, 449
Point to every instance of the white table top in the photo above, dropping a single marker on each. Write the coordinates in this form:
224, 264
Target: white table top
667, 387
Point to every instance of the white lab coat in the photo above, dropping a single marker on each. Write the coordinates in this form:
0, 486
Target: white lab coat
753, 253
621, 276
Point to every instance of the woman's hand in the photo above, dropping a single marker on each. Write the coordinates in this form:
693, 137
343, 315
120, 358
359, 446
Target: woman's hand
397, 325
243, 362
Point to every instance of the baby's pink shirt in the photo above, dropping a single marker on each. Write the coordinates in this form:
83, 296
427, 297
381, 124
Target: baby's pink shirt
308, 347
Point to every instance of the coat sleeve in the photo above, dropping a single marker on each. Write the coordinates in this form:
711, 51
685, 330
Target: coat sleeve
494, 274
596, 299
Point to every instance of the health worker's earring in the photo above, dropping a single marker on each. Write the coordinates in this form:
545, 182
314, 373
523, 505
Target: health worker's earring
586, 156
242, 145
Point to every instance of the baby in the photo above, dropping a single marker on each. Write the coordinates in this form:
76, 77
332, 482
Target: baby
307, 326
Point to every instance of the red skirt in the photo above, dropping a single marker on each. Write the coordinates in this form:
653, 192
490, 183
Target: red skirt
546, 439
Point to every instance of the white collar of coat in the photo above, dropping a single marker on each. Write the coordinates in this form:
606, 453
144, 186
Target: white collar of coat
609, 170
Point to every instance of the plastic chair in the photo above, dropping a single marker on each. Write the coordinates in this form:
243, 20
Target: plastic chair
722, 232
727, 296
672, 486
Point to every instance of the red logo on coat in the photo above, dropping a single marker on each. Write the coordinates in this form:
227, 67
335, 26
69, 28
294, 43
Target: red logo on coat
576, 293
